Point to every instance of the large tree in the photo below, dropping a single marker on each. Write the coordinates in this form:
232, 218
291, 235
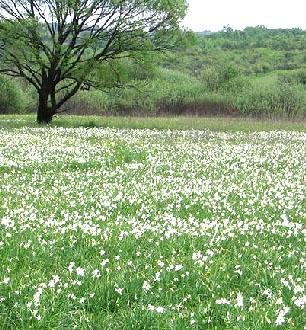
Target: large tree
56, 45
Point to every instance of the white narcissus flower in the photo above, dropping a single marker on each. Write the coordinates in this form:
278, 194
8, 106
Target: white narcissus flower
239, 302
146, 286
80, 271
300, 302
178, 267
222, 301
160, 309
71, 267
104, 262
119, 291
55, 280
96, 273
280, 320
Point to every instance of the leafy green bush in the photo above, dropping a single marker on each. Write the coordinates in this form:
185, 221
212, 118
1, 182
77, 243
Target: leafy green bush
293, 77
169, 90
89, 102
236, 85
281, 99
220, 77
14, 99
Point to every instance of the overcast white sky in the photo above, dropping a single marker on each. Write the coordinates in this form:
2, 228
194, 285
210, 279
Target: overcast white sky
215, 14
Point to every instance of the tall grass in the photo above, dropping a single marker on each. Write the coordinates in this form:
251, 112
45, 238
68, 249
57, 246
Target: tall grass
223, 124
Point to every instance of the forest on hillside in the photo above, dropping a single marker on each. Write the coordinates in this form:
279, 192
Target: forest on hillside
254, 72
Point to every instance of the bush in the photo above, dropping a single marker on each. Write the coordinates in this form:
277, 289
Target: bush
12, 97
220, 77
293, 77
170, 90
281, 99
236, 85
88, 103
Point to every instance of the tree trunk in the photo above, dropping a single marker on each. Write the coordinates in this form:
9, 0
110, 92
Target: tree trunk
44, 112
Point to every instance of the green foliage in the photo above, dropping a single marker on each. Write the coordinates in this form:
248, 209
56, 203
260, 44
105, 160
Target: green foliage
89, 102
220, 77
177, 40
255, 37
218, 124
168, 91
125, 70
12, 97
257, 72
60, 47
281, 99
293, 77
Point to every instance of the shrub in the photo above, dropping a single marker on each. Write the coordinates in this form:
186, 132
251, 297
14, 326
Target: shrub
88, 103
293, 77
219, 77
170, 90
14, 98
281, 99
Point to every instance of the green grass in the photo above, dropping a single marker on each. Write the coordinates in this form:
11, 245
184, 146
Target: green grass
225, 124
105, 228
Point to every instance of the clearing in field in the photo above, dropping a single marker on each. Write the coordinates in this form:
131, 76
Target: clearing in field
146, 229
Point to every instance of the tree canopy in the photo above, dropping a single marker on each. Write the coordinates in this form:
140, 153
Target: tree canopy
57, 44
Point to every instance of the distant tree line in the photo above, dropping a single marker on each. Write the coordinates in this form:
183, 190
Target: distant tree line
254, 37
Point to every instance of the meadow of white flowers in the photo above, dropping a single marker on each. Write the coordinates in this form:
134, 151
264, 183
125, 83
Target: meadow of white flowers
147, 229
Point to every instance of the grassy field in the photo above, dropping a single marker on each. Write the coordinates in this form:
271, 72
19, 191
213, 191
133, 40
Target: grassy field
114, 228
225, 124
